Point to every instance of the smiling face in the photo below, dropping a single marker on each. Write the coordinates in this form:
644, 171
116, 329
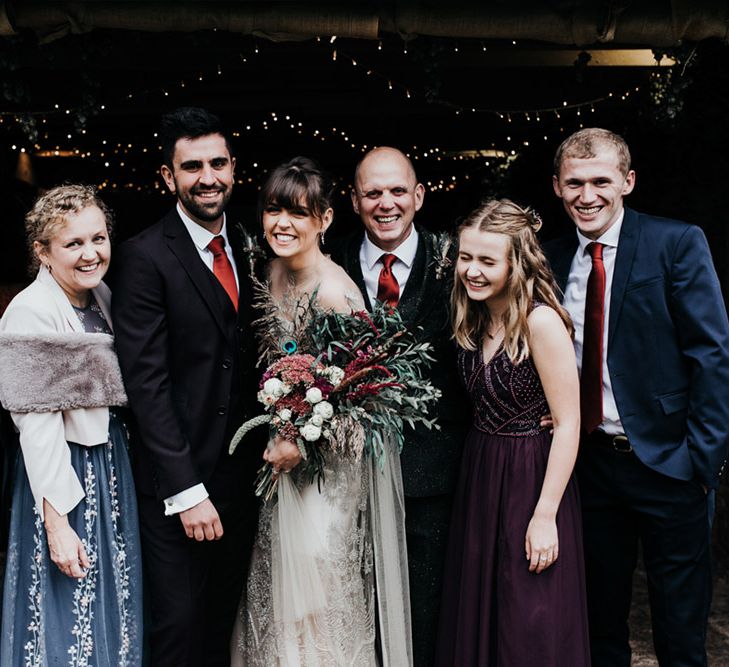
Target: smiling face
483, 266
201, 175
592, 190
78, 254
294, 233
386, 196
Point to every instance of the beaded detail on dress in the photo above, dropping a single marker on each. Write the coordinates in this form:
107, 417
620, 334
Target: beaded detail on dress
508, 399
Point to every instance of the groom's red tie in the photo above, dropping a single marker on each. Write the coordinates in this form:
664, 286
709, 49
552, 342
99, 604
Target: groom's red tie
223, 269
388, 289
591, 375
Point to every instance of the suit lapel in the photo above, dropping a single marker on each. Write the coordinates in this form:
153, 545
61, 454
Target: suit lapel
182, 247
561, 258
627, 244
243, 269
353, 267
409, 304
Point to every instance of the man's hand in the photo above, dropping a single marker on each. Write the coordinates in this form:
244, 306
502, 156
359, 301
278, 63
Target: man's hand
202, 522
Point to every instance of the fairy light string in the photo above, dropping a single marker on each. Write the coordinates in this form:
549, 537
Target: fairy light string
121, 154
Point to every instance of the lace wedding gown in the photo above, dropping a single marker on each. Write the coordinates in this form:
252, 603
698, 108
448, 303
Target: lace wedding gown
320, 551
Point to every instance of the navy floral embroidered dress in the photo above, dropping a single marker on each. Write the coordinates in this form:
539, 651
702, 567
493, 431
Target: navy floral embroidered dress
495, 612
49, 618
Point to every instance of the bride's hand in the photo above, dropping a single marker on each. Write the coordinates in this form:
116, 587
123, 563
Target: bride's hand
283, 456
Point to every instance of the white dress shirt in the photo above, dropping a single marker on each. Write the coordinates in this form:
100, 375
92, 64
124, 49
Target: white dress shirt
201, 237
370, 259
574, 301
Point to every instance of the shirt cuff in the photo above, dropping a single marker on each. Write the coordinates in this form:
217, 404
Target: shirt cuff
186, 499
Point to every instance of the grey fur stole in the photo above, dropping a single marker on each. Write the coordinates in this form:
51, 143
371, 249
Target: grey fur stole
59, 371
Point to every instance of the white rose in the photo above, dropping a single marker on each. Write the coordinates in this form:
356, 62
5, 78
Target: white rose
324, 409
336, 375
286, 388
273, 386
310, 432
285, 414
316, 420
314, 395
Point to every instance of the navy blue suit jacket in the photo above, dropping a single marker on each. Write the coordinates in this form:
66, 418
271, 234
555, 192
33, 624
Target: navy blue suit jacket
668, 345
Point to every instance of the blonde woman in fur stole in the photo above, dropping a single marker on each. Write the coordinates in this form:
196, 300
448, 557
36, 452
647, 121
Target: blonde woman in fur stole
72, 590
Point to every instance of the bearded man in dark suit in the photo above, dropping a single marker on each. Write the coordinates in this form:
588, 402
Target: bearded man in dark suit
652, 343
396, 261
182, 307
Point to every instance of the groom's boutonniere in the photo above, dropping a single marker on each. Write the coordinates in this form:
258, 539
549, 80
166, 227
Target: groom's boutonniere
441, 244
251, 249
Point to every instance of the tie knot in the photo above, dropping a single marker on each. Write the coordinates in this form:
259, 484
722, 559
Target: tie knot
595, 250
388, 260
217, 245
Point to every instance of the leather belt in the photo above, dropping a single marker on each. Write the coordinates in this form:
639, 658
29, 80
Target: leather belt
618, 443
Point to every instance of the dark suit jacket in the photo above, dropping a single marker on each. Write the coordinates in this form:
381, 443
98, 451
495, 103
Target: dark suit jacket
186, 358
668, 345
430, 459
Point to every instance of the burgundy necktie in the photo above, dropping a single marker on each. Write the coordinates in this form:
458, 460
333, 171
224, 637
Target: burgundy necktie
388, 289
591, 376
223, 269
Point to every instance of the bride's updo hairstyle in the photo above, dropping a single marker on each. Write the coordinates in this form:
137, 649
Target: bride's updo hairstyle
530, 280
297, 184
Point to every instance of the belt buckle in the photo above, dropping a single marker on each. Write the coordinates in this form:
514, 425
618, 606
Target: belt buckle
622, 444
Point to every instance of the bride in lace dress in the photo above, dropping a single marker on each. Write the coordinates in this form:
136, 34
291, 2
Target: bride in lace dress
321, 549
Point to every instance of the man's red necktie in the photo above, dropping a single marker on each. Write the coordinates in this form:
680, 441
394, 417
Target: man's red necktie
591, 376
388, 289
223, 269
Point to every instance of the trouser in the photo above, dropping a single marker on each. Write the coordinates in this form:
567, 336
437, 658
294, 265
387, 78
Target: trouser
194, 587
624, 504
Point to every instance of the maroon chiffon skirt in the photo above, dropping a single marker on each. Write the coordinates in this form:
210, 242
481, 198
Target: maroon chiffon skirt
494, 611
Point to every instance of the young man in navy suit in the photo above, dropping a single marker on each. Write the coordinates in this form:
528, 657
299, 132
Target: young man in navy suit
652, 342
182, 308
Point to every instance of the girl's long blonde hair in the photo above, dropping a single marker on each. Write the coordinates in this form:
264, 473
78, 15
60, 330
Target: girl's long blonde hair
530, 280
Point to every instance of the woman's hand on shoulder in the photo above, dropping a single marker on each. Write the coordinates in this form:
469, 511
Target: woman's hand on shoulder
66, 549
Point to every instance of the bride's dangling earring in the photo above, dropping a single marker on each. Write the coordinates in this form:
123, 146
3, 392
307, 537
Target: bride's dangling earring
321, 238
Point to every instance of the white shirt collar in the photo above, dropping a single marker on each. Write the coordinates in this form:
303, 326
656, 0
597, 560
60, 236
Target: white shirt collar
405, 252
200, 236
609, 238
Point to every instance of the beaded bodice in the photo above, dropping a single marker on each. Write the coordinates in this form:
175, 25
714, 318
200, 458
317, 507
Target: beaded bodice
507, 399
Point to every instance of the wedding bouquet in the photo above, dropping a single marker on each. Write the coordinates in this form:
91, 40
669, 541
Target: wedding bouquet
347, 386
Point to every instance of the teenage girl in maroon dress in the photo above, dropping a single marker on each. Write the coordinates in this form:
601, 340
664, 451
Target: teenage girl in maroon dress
514, 592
